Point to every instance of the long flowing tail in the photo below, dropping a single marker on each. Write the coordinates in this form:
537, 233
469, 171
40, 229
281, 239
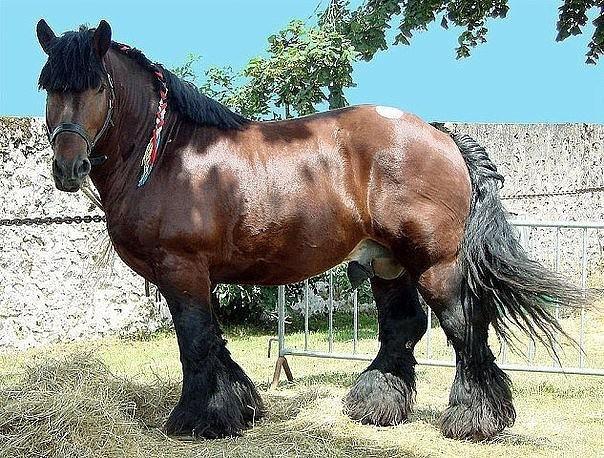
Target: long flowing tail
499, 277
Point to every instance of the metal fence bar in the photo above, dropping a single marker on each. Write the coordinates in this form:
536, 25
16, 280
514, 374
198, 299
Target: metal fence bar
584, 286
504, 351
428, 334
281, 315
444, 363
559, 224
531, 351
355, 320
525, 240
330, 305
557, 250
306, 299
555, 361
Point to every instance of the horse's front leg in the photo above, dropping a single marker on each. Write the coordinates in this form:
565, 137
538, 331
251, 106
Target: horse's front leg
218, 399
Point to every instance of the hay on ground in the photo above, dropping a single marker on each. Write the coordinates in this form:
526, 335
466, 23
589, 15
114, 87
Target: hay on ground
75, 406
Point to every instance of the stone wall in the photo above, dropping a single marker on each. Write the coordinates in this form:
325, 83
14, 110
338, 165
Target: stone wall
51, 289
547, 159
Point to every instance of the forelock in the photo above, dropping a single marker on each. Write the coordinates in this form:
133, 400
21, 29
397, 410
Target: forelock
72, 64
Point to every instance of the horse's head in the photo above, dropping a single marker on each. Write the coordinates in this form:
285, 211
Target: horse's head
79, 98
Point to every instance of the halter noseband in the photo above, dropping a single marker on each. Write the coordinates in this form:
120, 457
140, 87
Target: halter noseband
77, 129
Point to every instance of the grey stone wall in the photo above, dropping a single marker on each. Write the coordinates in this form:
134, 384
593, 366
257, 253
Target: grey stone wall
51, 290
50, 287
547, 159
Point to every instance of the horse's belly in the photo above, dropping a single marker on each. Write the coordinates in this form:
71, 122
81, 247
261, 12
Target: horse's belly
290, 263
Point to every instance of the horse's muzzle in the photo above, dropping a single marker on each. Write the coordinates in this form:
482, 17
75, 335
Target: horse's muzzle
69, 175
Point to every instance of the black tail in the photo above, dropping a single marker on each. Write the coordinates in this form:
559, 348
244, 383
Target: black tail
499, 277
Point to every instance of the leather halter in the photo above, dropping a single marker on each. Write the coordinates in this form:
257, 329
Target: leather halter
77, 129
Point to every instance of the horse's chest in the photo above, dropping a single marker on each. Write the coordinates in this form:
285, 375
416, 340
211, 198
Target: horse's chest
132, 241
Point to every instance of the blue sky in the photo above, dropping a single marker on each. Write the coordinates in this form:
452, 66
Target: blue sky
520, 75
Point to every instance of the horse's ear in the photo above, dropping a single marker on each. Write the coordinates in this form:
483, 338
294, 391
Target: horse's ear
102, 38
45, 35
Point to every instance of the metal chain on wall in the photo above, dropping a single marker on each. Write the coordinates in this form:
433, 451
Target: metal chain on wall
47, 220
573, 192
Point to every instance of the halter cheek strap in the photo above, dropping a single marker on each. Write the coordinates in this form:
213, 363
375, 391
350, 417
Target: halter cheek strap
77, 129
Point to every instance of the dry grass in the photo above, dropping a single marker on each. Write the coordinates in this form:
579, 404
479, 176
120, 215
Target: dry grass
109, 397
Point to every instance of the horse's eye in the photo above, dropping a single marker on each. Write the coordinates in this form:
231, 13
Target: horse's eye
101, 88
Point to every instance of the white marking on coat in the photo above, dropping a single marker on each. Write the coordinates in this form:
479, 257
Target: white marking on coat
389, 112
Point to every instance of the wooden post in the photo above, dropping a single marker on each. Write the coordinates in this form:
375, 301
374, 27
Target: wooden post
281, 362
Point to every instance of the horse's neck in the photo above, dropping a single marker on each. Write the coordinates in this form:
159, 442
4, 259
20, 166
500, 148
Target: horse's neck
129, 134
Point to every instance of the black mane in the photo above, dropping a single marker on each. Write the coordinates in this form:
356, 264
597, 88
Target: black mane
74, 66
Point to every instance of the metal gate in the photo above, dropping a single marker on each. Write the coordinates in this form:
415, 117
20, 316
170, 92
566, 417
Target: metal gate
565, 246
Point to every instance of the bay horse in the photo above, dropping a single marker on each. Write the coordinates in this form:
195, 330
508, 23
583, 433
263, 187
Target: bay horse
196, 195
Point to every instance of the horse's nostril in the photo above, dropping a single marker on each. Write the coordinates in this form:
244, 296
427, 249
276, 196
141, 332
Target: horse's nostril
83, 168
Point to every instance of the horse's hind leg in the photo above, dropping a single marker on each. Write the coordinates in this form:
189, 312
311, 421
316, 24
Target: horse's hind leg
384, 393
480, 403
217, 399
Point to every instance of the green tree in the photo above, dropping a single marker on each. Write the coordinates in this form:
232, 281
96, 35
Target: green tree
186, 71
367, 25
303, 67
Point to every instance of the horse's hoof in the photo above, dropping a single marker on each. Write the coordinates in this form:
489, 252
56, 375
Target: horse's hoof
380, 399
186, 425
476, 423
227, 414
480, 405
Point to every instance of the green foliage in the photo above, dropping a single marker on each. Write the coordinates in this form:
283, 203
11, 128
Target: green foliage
342, 290
304, 67
185, 71
246, 305
256, 306
367, 25
573, 16
228, 87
